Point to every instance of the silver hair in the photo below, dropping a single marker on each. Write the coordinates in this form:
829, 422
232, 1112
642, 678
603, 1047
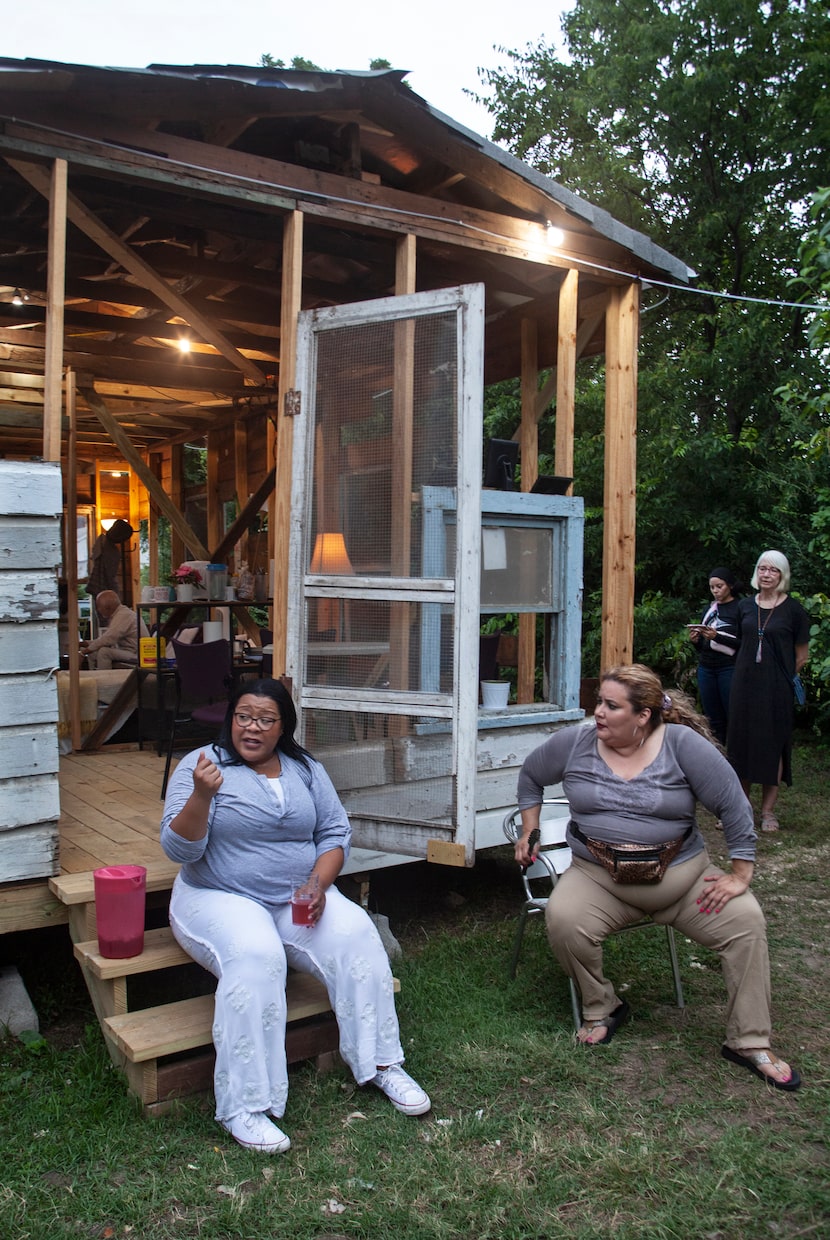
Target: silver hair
778, 560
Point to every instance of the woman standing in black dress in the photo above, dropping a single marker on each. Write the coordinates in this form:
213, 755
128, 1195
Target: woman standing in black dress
775, 632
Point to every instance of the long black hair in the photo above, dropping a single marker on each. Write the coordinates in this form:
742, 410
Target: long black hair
279, 695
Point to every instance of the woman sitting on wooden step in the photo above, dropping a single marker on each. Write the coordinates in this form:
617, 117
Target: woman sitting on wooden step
246, 820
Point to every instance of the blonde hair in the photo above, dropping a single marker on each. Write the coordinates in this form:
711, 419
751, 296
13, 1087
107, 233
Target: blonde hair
644, 690
778, 560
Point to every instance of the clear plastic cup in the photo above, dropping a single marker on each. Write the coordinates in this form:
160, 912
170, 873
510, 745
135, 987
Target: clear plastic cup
303, 892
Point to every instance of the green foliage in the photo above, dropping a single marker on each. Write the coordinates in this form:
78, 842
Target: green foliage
297, 62
705, 125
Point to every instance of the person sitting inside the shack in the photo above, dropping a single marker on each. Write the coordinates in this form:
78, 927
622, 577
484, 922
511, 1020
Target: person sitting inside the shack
118, 644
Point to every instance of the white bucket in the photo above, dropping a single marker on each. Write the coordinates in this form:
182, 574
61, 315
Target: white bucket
495, 694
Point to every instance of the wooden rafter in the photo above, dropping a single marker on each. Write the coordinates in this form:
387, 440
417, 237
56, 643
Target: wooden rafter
84, 219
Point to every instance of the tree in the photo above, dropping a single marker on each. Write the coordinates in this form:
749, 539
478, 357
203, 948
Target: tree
703, 123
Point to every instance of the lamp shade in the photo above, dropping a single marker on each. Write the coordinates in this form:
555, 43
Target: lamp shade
330, 556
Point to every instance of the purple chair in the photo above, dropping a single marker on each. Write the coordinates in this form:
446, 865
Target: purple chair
203, 676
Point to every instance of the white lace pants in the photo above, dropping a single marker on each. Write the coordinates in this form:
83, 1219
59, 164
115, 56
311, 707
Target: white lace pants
248, 948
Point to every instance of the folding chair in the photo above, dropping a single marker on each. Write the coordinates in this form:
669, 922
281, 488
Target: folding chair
553, 858
203, 672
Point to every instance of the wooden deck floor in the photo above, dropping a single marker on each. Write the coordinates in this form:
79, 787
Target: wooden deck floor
110, 809
110, 815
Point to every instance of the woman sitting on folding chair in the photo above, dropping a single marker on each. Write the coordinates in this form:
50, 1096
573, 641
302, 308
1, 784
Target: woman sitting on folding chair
632, 779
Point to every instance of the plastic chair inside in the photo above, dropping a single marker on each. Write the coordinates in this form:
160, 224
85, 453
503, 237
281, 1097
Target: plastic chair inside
553, 858
203, 673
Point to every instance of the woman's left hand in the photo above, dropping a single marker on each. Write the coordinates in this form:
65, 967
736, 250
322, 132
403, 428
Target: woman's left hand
719, 890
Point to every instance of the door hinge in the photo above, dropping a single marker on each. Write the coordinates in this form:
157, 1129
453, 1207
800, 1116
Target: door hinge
293, 401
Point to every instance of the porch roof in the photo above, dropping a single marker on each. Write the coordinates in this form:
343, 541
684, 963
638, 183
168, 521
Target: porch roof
179, 180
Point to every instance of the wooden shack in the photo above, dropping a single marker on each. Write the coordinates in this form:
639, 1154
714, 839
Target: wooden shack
315, 275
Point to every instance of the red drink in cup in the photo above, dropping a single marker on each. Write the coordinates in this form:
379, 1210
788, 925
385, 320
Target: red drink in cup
302, 895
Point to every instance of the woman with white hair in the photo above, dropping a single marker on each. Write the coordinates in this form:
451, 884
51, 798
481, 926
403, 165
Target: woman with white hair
775, 632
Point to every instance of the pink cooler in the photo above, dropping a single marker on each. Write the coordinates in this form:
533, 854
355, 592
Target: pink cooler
120, 896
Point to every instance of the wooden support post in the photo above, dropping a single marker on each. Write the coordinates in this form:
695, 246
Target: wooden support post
214, 507
566, 376
176, 466
134, 562
156, 464
241, 484
621, 337
55, 294
279, 509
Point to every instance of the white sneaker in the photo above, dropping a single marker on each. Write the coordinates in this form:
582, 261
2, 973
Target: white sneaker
405, 1094
254, 1130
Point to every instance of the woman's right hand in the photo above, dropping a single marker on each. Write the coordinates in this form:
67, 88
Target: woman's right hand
523, 853
207, 778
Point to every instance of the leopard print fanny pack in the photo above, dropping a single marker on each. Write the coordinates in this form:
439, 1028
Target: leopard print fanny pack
633, 863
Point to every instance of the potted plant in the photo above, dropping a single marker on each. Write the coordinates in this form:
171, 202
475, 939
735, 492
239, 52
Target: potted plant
185, 579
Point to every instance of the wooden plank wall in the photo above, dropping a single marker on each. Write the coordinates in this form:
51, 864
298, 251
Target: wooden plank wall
30, 511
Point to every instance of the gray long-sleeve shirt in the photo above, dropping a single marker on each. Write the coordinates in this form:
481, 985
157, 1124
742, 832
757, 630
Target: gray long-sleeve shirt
254, 846
655, 806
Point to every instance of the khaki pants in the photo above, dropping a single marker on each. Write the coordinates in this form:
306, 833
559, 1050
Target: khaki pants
106, 657
587, 905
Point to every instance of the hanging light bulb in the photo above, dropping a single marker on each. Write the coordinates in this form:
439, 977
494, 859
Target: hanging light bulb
17, 298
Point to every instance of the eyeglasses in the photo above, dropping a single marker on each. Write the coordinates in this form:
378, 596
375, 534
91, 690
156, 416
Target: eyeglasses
262, 722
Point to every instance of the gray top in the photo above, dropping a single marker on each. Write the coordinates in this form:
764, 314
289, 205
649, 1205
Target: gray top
652, 808
253, 846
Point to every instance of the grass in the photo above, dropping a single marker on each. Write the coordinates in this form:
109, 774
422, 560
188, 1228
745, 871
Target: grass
530, 1136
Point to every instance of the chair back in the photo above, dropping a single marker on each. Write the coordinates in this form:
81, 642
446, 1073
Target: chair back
203, 669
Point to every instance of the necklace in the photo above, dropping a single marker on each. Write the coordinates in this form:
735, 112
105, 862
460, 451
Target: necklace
761, 627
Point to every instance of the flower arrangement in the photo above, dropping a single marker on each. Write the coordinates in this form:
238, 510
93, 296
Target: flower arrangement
184, 575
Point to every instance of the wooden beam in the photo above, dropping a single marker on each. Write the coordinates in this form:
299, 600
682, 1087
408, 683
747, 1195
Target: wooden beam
136, 462
333, 200
240, 478
246, 515
279, 512
566, 376
622, 328
112, 244
56, 270
214, 506
176, 467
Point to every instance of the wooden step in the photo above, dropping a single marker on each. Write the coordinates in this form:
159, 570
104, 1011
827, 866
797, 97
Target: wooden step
161, 951
80, 888
151, 1033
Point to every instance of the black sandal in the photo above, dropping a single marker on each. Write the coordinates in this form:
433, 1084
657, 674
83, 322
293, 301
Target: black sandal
612, 1023
752, 1059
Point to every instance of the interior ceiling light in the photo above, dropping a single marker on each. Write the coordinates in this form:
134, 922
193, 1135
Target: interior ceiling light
184, 344
18, 297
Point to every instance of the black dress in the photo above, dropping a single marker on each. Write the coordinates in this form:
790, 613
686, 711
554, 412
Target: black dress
761, 704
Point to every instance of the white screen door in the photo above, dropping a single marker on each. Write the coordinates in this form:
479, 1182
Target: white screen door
391, 408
